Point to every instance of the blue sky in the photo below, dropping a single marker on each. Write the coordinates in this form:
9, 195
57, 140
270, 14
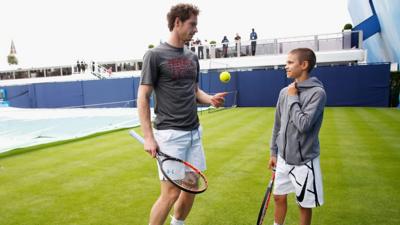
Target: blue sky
54, 32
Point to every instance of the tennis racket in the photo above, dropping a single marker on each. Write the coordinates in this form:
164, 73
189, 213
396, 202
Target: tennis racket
265, 202
182, 174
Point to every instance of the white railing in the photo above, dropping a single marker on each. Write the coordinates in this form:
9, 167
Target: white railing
347, 40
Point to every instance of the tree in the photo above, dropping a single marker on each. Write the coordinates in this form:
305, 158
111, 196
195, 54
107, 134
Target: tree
347, 26
12, 59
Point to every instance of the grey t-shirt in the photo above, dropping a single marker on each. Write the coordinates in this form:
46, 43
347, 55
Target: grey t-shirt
174, 74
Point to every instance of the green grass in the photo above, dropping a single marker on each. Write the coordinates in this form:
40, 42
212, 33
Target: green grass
108, 179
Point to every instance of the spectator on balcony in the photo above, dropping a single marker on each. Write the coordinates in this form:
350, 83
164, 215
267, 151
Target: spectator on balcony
237, 44
83, 66
200, 53
109, 71
207, 47
192, 45
253, 38
225, 43
78, 66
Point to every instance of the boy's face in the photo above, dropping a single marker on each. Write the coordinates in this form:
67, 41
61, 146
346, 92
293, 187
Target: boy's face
294, 67
187, 29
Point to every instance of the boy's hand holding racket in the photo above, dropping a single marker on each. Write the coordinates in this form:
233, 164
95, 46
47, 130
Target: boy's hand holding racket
272, 162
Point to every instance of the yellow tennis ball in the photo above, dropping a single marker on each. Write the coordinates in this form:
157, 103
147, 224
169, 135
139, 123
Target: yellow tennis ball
225, 76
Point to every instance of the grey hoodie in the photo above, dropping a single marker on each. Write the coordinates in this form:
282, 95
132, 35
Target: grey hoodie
298, 120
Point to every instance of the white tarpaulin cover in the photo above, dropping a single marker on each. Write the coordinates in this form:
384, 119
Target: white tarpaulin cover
26, 127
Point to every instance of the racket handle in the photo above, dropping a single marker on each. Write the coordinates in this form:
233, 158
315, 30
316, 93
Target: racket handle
136, 136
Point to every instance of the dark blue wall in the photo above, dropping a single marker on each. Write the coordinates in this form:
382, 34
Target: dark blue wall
100, 93
361, 85
91, 93
263, 87
55, 95
21, 96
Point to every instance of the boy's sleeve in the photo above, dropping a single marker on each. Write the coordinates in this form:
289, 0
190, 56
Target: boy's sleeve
304, 119
275, 130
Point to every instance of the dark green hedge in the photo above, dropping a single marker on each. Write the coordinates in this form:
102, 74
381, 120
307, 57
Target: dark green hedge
394, 88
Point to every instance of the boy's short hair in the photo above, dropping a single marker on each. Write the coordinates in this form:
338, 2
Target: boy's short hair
306, 54
183, 12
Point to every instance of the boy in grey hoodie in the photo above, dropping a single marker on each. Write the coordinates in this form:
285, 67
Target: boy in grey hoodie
294, 145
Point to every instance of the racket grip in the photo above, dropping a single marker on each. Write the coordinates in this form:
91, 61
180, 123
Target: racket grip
136, 136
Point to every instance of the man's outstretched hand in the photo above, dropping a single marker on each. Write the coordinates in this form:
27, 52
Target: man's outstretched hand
218, 99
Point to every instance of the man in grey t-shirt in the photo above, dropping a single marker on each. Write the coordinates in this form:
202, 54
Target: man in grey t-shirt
172, 72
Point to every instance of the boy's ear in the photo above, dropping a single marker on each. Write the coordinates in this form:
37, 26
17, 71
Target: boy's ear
304, 65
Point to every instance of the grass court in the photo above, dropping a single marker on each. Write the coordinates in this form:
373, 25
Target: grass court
108, 179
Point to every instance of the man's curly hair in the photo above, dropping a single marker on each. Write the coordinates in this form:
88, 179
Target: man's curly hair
183, 12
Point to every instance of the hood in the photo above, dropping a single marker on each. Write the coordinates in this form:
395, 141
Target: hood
309, 83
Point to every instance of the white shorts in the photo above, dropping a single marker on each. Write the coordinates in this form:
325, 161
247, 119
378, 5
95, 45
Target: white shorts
185, 145
305, 181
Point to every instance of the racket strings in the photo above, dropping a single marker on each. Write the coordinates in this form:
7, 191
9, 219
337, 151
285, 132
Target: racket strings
183, 175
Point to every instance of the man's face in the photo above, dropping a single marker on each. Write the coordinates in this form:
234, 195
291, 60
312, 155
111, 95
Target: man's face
294, 68
187, 29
